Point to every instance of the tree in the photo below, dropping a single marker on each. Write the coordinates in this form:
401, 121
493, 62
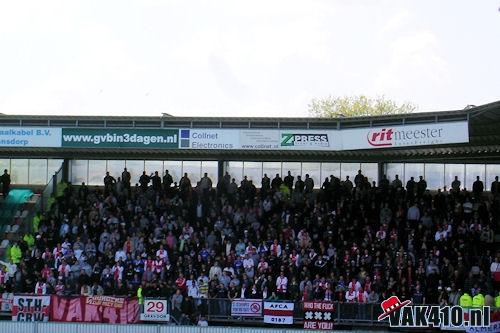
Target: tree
356, 106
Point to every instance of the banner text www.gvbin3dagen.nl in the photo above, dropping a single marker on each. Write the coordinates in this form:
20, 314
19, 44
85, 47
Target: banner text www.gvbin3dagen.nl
120, 138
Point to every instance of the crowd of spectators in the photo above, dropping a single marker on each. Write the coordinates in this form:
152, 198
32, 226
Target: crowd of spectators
347, 241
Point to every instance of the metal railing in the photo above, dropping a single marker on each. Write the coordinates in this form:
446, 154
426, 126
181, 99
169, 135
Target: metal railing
362, 314
51, 188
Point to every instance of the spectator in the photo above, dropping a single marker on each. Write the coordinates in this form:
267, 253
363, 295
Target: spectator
396, 183
455, 186
477, 188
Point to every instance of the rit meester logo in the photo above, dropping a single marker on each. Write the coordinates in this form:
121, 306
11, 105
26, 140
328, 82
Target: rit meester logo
380, 138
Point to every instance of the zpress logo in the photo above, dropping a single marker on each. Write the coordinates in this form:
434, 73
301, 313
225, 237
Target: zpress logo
297, 140
403, 315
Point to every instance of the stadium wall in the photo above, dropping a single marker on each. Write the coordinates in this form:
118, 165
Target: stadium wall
40, 327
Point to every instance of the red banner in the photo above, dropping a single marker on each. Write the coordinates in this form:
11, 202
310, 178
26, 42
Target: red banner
89, 309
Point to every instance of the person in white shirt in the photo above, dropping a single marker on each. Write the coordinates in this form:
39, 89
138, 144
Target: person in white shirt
350, 295
66, 246
275, 248
215, 270
282, 284
362, 296
413, 213
262, 266
162, 253
229, 269
250, 249
41, 288
117, 271
192, 287
354, 284
440, 234
120, 255
202, 322
267, 205
64, 269
249, 266
495, 269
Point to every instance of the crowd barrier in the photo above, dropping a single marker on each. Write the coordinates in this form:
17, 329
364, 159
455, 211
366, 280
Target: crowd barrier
246, 312
37, 327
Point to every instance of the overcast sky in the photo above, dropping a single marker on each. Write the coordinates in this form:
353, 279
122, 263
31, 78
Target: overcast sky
243, 58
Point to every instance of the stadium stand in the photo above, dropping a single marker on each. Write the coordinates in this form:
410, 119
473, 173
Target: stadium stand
351, 242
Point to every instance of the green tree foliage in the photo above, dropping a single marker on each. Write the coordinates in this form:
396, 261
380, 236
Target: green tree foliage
356, 106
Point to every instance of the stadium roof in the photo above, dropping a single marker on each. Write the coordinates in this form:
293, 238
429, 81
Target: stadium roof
483, 146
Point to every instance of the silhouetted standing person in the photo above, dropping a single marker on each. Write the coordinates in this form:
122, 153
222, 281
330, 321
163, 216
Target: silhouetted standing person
126, 179
421, 186
167, 181
144, 181
289, 180
109, 183
156, 181
359, 179
5, 179
495, 187
478, 187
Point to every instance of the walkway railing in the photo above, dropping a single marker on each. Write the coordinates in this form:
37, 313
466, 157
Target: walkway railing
51, 188
219, 310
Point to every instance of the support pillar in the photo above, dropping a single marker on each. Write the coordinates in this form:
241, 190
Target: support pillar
380, 168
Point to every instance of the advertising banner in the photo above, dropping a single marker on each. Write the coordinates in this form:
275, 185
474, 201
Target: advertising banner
155, 310
120, 138
30, 308
30, 137
109, 301
402, 136
6, 302
278, 313
259, 139
246, 307
113, 310
238, 139
209, 139
318, 315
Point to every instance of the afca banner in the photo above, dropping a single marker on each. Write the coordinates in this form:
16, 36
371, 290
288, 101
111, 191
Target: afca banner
113, 310
30, 308
278, 313
30, 137
403, 136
